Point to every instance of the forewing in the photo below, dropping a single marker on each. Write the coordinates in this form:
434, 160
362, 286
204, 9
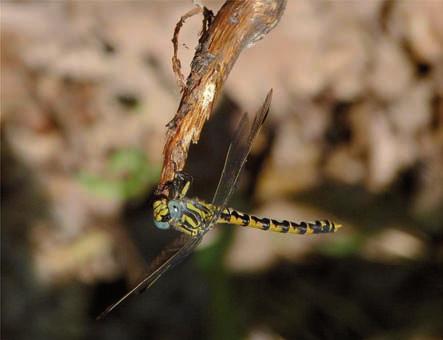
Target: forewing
173, 254
236, 158
238, 152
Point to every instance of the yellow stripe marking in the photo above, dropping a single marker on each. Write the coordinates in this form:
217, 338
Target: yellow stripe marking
157, 203
255, 224
185, 189
192, 207
189, 220
275, 227
293, 230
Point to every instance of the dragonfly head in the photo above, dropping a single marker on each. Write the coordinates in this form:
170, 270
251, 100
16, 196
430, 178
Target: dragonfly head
166, 210
161, 213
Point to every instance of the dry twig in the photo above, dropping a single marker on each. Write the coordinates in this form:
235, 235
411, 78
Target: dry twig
237, 25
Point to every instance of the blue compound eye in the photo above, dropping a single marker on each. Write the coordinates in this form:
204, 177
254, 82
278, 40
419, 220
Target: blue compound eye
162, 225
174, 209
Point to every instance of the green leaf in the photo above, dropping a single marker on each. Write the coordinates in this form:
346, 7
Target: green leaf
127, 174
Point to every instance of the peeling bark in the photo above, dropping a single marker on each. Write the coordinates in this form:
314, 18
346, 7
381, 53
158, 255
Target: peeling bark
237, 25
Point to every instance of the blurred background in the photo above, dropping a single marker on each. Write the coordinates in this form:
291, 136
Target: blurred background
355, 134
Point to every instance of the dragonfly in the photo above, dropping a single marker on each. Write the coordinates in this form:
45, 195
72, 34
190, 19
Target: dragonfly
194, 217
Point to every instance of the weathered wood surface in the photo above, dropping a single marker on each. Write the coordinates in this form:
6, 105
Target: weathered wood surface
237, 25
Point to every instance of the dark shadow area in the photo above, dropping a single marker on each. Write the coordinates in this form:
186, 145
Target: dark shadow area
29, 309
178, 305
206, 159
370, 211
346, 299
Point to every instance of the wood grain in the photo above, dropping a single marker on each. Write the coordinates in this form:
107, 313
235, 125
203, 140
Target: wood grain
237, 25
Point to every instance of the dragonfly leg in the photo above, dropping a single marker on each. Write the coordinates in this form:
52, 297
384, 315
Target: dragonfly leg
183, 228
180, 185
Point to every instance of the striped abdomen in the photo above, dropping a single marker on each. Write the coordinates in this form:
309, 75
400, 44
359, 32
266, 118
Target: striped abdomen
233, 216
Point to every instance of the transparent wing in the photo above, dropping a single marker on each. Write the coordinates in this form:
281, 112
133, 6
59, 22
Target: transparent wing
238, 152
173, 254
